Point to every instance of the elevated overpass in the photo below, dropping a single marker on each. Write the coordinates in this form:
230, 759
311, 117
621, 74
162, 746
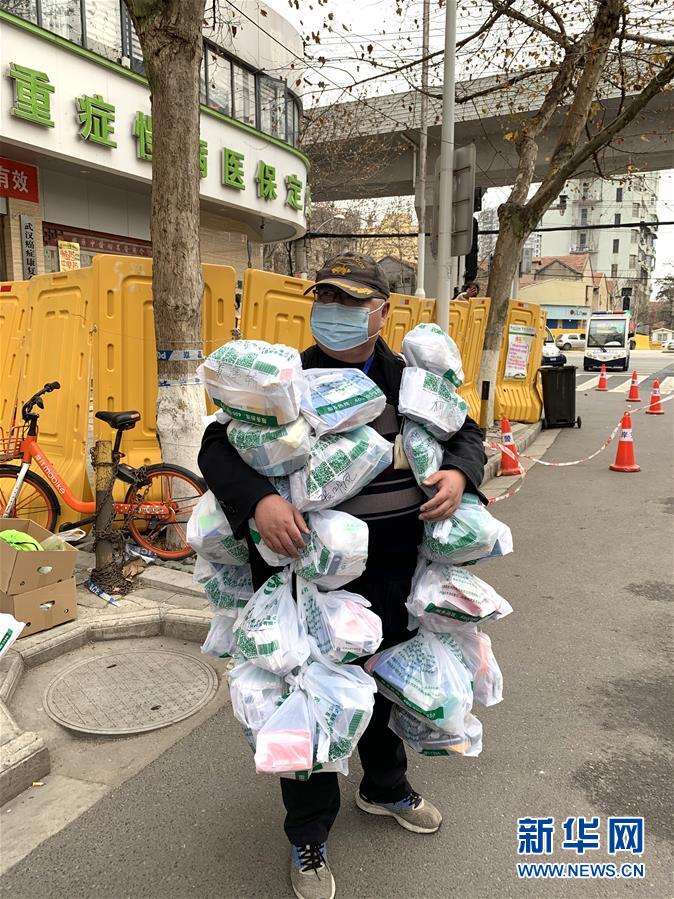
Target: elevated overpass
367, 148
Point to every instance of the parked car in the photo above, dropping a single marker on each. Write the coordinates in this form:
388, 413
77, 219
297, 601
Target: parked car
571, 341
668, 347
550, 354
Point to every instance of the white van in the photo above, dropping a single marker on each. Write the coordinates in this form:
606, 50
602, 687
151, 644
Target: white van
608, 341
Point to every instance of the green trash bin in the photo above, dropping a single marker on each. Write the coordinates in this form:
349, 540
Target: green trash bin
559, 396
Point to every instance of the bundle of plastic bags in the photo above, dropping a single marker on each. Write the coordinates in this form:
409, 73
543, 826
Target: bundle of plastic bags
226, 586
210, 536
285, 742
426, 674
340, 399
423, 452
444, 594
429, 347
340, 623
471, 534
268, 631
479, 658
255, 381
274, 451
432, 401
428, 740
339, 467
335, 550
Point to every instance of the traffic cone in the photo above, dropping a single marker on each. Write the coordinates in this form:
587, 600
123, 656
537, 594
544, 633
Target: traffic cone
633, 395
655, 407
510, 461
624, 457
602, 385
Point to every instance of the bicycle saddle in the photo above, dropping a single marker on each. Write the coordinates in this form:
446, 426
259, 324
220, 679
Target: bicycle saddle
120, 420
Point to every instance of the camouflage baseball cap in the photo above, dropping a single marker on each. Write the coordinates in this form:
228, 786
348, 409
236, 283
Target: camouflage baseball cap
359, 276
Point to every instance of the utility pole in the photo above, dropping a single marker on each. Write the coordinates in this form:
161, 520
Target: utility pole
423, 154
444, 282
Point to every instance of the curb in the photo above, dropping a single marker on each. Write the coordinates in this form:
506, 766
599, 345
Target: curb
24, 757
522, 443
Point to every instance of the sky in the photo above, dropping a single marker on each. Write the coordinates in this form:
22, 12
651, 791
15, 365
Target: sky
382, 36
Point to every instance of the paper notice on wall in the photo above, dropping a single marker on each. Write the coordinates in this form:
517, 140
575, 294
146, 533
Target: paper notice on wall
69, 255
520, 338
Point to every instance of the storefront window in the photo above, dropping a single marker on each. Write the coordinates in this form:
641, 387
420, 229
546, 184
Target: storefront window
104, 28
219, 81
63, 17
293, 114
25, 9
244, 95
273, 107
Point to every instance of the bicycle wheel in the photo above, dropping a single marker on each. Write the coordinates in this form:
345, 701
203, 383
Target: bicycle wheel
36, 500
178, 488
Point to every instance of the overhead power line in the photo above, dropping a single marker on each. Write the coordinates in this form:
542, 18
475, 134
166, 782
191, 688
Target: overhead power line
313, 235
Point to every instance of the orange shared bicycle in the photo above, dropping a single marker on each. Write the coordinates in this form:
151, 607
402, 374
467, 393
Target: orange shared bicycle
158, 502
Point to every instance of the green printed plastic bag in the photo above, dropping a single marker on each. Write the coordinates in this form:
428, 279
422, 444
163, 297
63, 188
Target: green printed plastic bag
427, 740
432, 401
429, 347
423, 452
210, 536
471, 534
275, 451
340, 399
226, 586
341, 623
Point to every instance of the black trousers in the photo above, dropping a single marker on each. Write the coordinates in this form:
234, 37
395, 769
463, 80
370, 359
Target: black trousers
312, 805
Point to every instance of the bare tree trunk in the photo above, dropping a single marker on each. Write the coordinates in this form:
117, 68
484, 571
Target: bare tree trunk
505, 262
170, 33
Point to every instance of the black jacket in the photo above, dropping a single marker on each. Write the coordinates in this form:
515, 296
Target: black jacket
239, 488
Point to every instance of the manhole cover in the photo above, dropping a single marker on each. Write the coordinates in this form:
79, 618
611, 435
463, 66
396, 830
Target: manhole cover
130, 692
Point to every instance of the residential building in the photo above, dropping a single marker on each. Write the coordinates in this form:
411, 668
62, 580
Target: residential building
625, 250
402, 275
76, 135
567, 288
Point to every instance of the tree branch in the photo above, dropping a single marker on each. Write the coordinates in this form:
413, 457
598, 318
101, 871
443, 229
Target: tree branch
546, 7
550, 189
550, 33
649, 39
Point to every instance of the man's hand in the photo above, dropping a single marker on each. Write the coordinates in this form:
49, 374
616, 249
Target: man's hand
450, 485
280, 525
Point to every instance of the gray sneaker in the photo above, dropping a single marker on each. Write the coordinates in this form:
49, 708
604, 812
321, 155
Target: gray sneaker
413, 812
310, 875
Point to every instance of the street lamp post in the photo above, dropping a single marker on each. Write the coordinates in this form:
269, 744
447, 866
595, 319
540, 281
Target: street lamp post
444, 273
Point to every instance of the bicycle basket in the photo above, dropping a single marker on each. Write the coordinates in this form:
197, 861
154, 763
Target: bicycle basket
10, 442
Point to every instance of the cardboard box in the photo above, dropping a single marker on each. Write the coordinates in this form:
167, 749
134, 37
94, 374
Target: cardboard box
42, 608
22, 571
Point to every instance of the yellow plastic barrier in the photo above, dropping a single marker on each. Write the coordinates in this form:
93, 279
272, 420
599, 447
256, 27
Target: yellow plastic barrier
13, 313
458, 322
404, 315
471, 350
125, 358
60, 327
275, 309
427, 311
517, 396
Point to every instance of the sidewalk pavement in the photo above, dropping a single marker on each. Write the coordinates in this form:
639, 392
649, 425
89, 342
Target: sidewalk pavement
166, 602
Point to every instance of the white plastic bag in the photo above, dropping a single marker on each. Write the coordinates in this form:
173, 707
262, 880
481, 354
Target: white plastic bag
255, 695
255, 381
220, 641
343, 699
226, 586
10, 631
427, 346
471, 534
336, 552
339, 467
341, 623
429, 741
285, 742
423, 452
427, 675
432, 401
340, 399
479, 658
444, 594
210, 536
273, 452
268, 631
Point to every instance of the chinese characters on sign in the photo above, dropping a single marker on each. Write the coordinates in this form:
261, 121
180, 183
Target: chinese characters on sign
535, 836
520, 338
18, 180
28, 248
96, 121
69, 255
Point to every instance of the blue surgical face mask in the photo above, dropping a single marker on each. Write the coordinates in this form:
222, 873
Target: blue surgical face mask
340, 327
